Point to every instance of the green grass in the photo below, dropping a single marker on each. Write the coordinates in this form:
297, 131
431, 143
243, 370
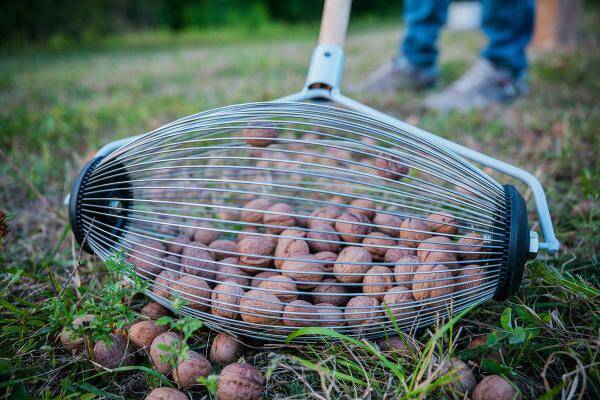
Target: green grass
56, 108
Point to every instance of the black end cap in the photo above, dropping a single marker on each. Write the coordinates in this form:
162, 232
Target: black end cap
516, 244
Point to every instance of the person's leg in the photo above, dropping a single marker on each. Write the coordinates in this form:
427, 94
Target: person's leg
508, 25
423, 20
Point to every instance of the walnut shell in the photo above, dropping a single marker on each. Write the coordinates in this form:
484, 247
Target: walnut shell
172, 263
240, 382
141, 334
223, 248
398, 300
176, 245
281, 219
290, 246
377, 281
299, 313
189, 370
469, 278
252, 210
329, 292
494, 387
198, 261
329, 315
391, 167
257, 251
205, 233
388, 224
70, 340
113, 355
246, 232
396, 345
146, 257
376, 239
439, 244
429, 282
306, 272
281, 286
404, 270
457, 368
362, 311
194, 290
225, 300
231, 272
322, 241
393, 255
261, 277
442, 223
329, 213
225, 349
328, 256
154, 310
409, 237
166, 393
348, 225
260, 307
163, 282
157, 356
470, 245
260, 134
362, 203
352, 260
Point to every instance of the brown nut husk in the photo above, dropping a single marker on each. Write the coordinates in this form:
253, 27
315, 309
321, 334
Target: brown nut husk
495, 387
361, 204
409, 237
189, 370
231, 272
282, 287
260, 134
426, 251
299, 313
154, 310
329, 292
260, 307
442, 223
163, 282
362, 311
469, 247
329, 213
399, 299
391, 167
223, 248
141, 334
429, 282
194, 290
377, 281
113, 355
198, 261
306, 272
252, 210
388, 224
374, 240
166, 393
257, 251
404, 270
470, 277
329, 315
290, 245
71, 341
261, 277
176, 245
348, 225
225, 349
205, 233
225, 300
323, 238
240, 382
281, 219
352, 260
329, 257
157, 356
465, 380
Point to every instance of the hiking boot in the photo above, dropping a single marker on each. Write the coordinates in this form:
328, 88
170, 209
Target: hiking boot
399, 74
481, 86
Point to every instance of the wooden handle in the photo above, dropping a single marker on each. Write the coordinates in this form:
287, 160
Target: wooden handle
334, 22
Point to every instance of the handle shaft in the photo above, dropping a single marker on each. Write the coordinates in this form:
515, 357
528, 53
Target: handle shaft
334, 22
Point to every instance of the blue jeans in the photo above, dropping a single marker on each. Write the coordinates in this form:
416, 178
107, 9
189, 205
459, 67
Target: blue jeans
508, 25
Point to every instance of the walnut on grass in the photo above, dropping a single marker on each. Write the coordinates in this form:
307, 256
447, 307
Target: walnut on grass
240, 381
225, 349
188, 371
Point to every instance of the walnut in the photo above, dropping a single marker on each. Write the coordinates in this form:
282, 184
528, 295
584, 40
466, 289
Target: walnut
431, 282
225, 349
290, 245
260, 134
157, 355
357, 207
404, 270
262, 276
442, 223
162, 283
142, 333
307, 272
352, 260
225, 299
362, 311
495, 387
247, 232
176, 245
329, 213
471, 247
330, 291
388, 224
329, 257
394, 254
260, 307
409, 237
391, 167
282, 218
252, 210
323, 238
172, 263
166, 393
154, 310
396, 345
223, 248
240, 381
233, 273
456, 368
197, 261
281, 286
377, 281
399, 299
147, 261
436, 244
375, 239
189, 370
470, 277
255, 252
115, 354
352, 227
205, 233
194, 290
341, 200
70, 340
330, 315
299, 313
